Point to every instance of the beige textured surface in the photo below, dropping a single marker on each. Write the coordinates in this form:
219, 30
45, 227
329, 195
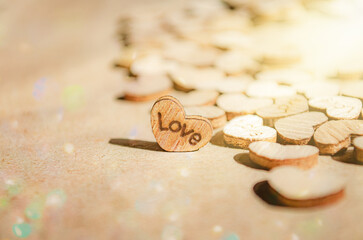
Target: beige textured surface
73, 42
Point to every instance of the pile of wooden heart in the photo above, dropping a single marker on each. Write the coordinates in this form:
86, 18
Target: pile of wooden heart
226, 46
290, 182
213, 64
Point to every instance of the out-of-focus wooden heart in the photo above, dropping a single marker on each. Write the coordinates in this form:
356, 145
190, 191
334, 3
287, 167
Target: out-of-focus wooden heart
283, 107
301, 188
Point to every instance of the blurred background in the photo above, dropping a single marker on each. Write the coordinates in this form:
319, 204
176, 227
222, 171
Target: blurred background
59, 88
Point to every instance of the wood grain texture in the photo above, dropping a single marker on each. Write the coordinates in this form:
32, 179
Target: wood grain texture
270, 155
337, 107
242, 131
335, 135
299, 128
237, 104
176, 132
283, 107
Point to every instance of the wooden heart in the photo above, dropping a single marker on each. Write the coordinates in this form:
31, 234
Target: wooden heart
285, 76
283, 107
337, 107
333, 136
300, 188
197, 97
234, 62
269, 89
237, 104
147, 87
318, 89
242, 131
187, 78
176, 132
298, 129
270, 155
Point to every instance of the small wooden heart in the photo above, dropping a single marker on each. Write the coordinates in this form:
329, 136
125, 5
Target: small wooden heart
283, 107
337, 107
298, 129
270, 155
237, 104
300, 188
176, 132
333, 136
242, 131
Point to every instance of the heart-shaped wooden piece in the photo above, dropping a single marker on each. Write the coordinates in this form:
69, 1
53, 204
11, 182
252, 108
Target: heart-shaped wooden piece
237, 104
337, 107
197, 97
333, 136
234, 62
300, 188
243, 130
187, 78
269, 89
317, 89
147, 87
176, 132
270, 155
283, 107
298, 129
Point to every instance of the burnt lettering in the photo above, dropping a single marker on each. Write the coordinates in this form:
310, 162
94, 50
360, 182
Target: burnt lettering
161, 123
173, 123
176, 126
195, 138
183, 133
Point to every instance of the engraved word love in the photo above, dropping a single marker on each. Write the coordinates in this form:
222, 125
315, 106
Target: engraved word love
174, 131
175, 126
